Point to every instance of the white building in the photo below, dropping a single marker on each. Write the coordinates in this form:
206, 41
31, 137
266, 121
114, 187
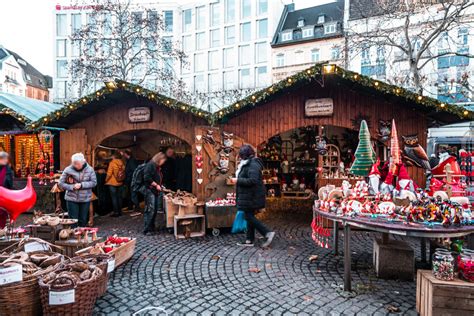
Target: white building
308, 36
11, 74
389, 63
227, 42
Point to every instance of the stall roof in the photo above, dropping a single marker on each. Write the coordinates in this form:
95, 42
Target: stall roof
25, 109
435, 110
109, 95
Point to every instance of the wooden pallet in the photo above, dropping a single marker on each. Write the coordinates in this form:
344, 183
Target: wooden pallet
437, 297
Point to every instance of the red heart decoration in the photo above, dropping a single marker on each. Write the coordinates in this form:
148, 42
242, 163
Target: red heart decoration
198, 158
16, 202
199, 164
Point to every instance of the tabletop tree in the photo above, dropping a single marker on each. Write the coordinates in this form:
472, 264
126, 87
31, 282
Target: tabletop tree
365, 154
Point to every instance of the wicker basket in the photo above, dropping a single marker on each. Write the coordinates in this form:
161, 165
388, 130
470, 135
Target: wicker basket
85, 295
102, 263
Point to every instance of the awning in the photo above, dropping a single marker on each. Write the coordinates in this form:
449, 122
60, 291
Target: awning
25, 109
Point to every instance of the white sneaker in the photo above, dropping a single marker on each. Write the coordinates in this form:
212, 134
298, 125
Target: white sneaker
269, 240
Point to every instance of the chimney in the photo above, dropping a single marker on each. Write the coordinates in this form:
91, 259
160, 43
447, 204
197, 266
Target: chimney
290, 7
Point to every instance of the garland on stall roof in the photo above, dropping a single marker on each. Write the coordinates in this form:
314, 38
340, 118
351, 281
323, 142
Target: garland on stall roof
7, 111
138, 90
318, 71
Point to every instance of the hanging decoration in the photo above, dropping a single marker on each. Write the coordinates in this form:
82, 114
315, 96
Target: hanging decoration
45, 166
365, 154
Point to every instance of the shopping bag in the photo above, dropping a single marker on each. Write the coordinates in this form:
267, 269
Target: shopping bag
240, 224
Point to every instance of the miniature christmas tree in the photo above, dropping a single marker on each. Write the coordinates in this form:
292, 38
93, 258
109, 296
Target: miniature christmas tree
365, 154
394, 150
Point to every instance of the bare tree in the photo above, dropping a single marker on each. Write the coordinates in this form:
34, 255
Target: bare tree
125, 41
416, 32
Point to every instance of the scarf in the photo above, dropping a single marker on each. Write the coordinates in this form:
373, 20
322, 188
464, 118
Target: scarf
239, 167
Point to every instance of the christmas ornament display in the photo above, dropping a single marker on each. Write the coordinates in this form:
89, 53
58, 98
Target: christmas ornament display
395, 159
365, 154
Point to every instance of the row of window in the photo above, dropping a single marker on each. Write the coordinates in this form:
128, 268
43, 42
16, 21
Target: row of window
228, 37
105, 20
228, 58
215, 11
308, 32
298, 57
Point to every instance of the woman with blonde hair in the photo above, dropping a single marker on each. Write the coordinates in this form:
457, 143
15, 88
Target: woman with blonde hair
153, 178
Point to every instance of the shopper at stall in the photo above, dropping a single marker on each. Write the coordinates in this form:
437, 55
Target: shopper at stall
6, 181
153, 179
250, 194
169, 169
78, 180
131, 165
114, 180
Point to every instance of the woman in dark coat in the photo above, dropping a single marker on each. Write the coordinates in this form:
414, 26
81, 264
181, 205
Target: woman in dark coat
153, 179
6, 181
250, 194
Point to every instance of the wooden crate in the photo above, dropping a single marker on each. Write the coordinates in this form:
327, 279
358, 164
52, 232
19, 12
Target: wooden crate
436, 297
220, 216
69, 247
172, 210
197, 227
121, 254
48, 233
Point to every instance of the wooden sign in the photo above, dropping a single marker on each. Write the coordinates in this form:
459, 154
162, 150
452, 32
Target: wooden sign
318, 107
139, 114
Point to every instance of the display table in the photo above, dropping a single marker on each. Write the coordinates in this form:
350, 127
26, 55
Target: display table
381, 225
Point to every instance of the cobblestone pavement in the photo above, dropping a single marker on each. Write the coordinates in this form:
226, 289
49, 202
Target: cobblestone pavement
211, 276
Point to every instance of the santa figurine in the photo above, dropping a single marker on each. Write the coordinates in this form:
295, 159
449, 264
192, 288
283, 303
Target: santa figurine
374, 178
406, 187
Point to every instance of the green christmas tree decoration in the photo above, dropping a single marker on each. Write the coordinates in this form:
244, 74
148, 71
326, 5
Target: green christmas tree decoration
365, 154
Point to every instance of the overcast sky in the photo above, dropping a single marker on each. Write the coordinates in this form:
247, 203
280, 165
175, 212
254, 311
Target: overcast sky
26, 27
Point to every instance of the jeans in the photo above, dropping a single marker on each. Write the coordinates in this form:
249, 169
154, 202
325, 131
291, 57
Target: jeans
79, 211
153, 205
252, 224
116, 196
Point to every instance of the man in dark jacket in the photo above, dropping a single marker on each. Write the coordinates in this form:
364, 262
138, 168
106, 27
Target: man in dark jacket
6, 181
152, 177
130, 166
250, 194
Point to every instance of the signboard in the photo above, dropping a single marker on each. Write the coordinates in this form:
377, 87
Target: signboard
110, 266
318, 107
139, 114
61, 298
11, 274
36, 246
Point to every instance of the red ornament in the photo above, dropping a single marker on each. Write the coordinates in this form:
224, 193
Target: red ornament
16, 202
199, 164
198, 158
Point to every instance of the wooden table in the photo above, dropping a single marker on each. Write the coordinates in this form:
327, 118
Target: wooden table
381, 225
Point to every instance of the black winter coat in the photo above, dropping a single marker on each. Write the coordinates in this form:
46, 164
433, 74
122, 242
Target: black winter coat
250, 188
8, 182
152, 174
130, 167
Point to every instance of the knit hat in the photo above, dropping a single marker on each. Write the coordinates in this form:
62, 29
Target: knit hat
375, 169
389, 178
403, 173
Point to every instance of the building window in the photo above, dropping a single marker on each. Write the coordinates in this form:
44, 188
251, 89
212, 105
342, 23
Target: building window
200, 40
229, 57
61, 70
229, 11
463, 36
260, 52
246, 8
443, 43
381, 54
199, 62
321, 19
187, 43
262, 6
330, 28
308, 32
365, 56
61, 48
107, 24
168, 20
280, 60
199, 83
167, 42
315, 57
299, 57
286, 36
61, 89
335, 53
61, 24
214, 82
214, 60
76, 22
244, 78
245, 55
245, 32
76, 48
215, 38
106, 47
200, 17
261, 76
229, 35
229, 80
187, 20
215, 13
262, 28
300, 23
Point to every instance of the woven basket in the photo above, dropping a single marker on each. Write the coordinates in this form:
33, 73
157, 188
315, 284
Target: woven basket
85, 295
101, 260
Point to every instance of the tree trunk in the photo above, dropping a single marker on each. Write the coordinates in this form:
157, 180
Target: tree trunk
415, 74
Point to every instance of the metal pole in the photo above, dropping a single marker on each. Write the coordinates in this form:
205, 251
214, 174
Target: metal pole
347, 257
336, 237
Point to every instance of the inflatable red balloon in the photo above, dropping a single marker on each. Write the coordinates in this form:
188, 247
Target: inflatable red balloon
16, 202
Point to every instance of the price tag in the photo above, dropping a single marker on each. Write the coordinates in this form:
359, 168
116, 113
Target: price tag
11, 274
61, 298
35, 246
110, 265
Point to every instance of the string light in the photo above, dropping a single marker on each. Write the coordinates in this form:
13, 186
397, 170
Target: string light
237, 105
290, 80
442, 105
356, 76
419, 98
466, 112
376, 83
